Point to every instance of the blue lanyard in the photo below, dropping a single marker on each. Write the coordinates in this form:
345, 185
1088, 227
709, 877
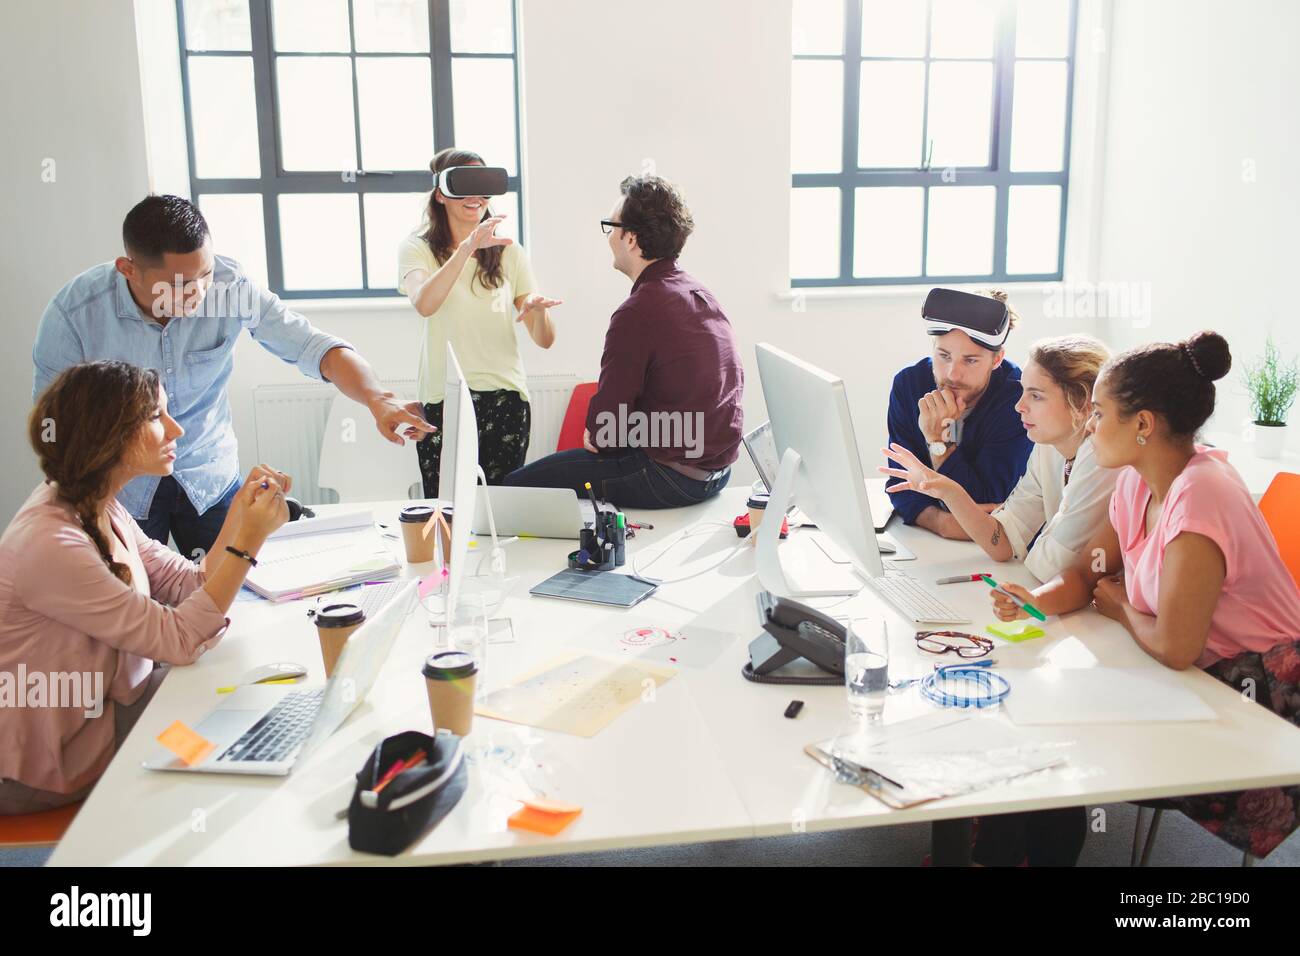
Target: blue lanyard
948, 686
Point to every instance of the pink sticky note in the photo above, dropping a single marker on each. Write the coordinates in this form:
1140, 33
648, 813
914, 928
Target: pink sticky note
429, 584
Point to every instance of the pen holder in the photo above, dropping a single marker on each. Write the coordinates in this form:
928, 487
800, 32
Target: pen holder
607, 522
412, 802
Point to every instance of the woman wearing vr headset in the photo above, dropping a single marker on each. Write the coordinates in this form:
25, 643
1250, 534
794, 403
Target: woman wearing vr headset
471, 287
1191, 570
1061, 499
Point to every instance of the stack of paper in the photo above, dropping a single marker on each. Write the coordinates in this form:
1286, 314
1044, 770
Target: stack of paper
305, 558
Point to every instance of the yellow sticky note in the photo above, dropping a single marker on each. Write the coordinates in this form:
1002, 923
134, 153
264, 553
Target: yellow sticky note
185, 743
1015, 630
546, 817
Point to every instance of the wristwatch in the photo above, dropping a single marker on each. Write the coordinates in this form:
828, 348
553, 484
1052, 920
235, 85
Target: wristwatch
937, 448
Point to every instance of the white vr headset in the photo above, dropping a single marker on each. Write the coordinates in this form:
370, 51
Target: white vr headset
986, 320
462, 182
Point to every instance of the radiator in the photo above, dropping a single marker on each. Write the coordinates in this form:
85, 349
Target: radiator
289, 421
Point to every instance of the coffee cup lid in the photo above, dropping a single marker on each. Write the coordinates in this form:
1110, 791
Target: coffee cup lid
450, 665
759, 500
339, 615
416, 513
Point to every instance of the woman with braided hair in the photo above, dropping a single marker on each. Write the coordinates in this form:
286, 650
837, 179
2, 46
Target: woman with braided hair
87, 600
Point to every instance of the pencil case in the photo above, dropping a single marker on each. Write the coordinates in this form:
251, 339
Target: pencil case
414, 801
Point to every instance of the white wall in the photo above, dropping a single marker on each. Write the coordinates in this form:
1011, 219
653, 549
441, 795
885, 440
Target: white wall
1201, 198
700, 92
72, 95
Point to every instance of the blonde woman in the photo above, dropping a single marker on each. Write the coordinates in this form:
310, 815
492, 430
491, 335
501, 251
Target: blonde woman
1061, 499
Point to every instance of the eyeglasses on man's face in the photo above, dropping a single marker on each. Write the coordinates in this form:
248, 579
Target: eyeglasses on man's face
609, 225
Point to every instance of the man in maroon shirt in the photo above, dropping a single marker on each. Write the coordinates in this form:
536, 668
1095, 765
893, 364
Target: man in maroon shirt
666, 421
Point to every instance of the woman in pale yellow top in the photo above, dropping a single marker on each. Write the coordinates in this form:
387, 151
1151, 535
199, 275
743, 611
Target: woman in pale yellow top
468, 283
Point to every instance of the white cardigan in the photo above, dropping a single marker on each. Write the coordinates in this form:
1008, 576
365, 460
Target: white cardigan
1067, 514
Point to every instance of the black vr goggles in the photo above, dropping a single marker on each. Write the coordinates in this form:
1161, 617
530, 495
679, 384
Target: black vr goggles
461, 182
987, 321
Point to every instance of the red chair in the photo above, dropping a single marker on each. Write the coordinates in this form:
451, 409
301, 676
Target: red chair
45, 828
575, 417
1281, 509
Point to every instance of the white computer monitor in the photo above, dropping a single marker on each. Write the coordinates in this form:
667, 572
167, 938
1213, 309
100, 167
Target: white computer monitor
458, 472
821, 473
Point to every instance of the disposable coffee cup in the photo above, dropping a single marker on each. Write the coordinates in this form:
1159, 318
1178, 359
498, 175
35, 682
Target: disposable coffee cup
419, 544
334, 625
757, 508
444, 531
450, 678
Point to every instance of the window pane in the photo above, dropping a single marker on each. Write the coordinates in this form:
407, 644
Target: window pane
887, 232
1033, 229
814, 233
394, 95
390, 217
889, 114
481, 26
484, 107
961, 113
507, 205
235, 222
320, 241
311, 26
816, 116
224, 113
391, 26
818, 26
1043, 28
962, 28
316, 126
1038, 116
893, 27
217, 25
960, 235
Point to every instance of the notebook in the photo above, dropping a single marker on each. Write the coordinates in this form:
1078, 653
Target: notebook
303, 565
595, 587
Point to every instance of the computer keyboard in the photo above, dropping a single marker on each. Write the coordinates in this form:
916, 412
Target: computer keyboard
910, 596
371, 598
281, 731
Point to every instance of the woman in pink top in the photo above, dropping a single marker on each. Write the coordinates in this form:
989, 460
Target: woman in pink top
88, 602
1197, 576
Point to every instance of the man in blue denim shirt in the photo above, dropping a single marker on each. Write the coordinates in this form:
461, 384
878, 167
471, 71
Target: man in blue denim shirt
956, 409
172, 305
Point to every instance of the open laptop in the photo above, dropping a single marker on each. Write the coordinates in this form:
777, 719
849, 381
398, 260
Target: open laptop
531, 512
762, 450
264, 729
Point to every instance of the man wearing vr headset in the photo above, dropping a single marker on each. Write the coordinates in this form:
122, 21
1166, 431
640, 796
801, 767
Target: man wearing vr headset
956, 409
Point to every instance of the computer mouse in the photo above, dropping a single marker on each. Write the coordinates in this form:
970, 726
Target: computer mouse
282, 670
886, 546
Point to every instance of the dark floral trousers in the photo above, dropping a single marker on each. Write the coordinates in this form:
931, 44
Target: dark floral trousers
504, 422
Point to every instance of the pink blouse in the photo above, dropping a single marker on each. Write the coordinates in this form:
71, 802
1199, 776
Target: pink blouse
1260, 605
73, 637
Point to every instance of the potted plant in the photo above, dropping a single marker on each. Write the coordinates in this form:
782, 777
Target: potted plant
1272, 390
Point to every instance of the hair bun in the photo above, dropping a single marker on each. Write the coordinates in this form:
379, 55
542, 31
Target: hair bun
1210, 353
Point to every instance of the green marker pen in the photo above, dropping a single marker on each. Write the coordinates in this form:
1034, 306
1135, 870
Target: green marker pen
1025, 606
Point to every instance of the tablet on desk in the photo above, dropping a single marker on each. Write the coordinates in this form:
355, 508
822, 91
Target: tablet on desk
595, 587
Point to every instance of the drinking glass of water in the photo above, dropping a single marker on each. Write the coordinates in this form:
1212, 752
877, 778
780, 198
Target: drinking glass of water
866, 667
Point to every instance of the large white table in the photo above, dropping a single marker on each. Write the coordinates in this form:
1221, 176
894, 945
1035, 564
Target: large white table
711, 757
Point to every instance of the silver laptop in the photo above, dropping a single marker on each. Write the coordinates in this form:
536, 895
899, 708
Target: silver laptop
265, 729
762, 450
532, 512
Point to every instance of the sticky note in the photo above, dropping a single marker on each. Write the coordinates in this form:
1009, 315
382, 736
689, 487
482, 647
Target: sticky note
546, 817
185, 743
1015, 631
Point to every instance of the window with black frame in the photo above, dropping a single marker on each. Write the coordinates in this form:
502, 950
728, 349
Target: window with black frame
311, 125
930, 140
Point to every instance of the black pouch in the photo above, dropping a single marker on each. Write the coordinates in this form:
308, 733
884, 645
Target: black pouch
414, 801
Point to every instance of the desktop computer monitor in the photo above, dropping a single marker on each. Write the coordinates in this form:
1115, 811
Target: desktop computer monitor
458, 473
821, 473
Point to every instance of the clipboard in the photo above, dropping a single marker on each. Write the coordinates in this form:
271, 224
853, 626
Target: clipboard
888, 791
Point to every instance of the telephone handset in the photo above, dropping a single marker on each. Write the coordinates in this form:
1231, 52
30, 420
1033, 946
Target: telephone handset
792, 631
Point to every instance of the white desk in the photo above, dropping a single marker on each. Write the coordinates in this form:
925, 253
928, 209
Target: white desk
1257, 472
710, 758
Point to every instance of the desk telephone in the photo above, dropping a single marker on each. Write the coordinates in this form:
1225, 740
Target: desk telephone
792, 631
